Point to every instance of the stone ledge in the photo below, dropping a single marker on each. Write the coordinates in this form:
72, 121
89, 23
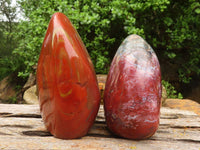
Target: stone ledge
21, 127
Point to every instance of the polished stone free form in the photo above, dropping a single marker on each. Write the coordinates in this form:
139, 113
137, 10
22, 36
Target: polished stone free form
66, 81
132, 94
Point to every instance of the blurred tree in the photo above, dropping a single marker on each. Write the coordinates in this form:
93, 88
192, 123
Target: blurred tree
174, 32
7, 27
170, 26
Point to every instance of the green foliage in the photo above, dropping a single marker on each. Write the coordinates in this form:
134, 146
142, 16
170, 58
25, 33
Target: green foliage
171, 92
7, 27
102, 26
170, 26
12, 100
10, 65
174, 32
5, 67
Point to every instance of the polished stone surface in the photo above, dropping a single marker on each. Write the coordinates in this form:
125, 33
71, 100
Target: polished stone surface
132, 96
67, 85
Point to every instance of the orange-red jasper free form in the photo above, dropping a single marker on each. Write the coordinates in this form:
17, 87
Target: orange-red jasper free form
132, 94
67, 85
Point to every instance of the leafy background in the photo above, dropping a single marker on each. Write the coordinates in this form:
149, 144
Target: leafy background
171, 27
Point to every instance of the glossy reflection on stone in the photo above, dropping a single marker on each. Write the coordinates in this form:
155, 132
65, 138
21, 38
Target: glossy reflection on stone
133, 90
67, 86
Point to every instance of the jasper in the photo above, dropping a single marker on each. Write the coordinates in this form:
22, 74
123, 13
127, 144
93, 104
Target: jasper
66, 81
132, 96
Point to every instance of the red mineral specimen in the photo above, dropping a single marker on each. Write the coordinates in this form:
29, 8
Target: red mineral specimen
132, 95
67, 85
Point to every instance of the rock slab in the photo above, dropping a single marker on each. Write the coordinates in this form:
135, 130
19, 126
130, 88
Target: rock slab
21, 127
30, 95
7, 89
